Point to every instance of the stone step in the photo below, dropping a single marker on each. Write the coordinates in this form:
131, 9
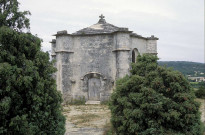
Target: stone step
91, 102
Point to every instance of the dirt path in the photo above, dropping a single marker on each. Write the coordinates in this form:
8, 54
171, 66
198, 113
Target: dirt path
86, 119
202, 109
92, 119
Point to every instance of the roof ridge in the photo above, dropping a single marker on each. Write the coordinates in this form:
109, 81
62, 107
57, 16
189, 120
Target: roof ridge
101, 27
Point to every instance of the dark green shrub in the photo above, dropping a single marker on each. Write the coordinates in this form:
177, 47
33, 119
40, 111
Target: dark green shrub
154, 100
200, 93
108, 129
30, 103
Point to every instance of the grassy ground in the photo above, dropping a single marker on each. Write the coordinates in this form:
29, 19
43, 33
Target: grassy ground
90, 117
202, 109
87, 115
94, 117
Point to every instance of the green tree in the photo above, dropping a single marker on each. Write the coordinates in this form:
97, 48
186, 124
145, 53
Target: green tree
154, 100
11, 16
200, 93
29, 101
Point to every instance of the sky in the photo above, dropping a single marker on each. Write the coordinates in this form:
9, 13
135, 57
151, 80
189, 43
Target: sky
179, 24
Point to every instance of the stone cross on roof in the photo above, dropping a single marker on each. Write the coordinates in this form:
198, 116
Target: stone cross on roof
102, 16
102, 20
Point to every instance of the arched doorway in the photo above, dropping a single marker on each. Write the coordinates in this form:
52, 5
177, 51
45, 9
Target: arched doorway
135, 53
94, 85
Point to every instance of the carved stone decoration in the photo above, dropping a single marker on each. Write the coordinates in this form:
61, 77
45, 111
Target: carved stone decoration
87, 80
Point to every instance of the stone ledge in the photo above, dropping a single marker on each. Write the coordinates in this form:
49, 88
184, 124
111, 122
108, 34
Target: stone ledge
66, 51
147, 38
90, 102
138, 36
152, 38
121, 49
63, 32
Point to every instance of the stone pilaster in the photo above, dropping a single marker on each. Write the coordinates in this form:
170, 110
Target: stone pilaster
64, 54
122, 51
151, 46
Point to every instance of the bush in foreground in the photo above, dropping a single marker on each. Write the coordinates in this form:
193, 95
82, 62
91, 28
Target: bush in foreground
30, 103
154, 100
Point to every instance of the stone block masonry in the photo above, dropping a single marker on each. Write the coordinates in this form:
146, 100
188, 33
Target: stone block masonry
90, 60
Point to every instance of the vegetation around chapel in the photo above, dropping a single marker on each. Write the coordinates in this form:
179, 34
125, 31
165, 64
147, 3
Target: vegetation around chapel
154, 100
29, 101
189, 69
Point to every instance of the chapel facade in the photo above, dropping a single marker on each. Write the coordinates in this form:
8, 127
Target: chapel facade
90, 60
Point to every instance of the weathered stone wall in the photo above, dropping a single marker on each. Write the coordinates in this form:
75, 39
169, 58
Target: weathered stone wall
144, 45
151, 46
140, 44
64, 54
64, 43
89, 65
92, 54
122, 49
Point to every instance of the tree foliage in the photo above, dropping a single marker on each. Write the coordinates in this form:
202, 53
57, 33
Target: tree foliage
30, 103
11, 16
200, 93
154, 100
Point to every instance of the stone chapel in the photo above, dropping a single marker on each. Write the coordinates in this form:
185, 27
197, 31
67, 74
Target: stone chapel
90, 60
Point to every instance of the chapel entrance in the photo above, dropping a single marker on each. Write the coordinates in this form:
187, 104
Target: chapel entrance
94, 89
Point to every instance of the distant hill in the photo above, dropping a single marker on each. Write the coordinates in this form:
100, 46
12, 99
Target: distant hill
187, 68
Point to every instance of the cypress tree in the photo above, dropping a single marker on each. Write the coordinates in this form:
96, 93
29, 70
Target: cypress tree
29, 101
154, 100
